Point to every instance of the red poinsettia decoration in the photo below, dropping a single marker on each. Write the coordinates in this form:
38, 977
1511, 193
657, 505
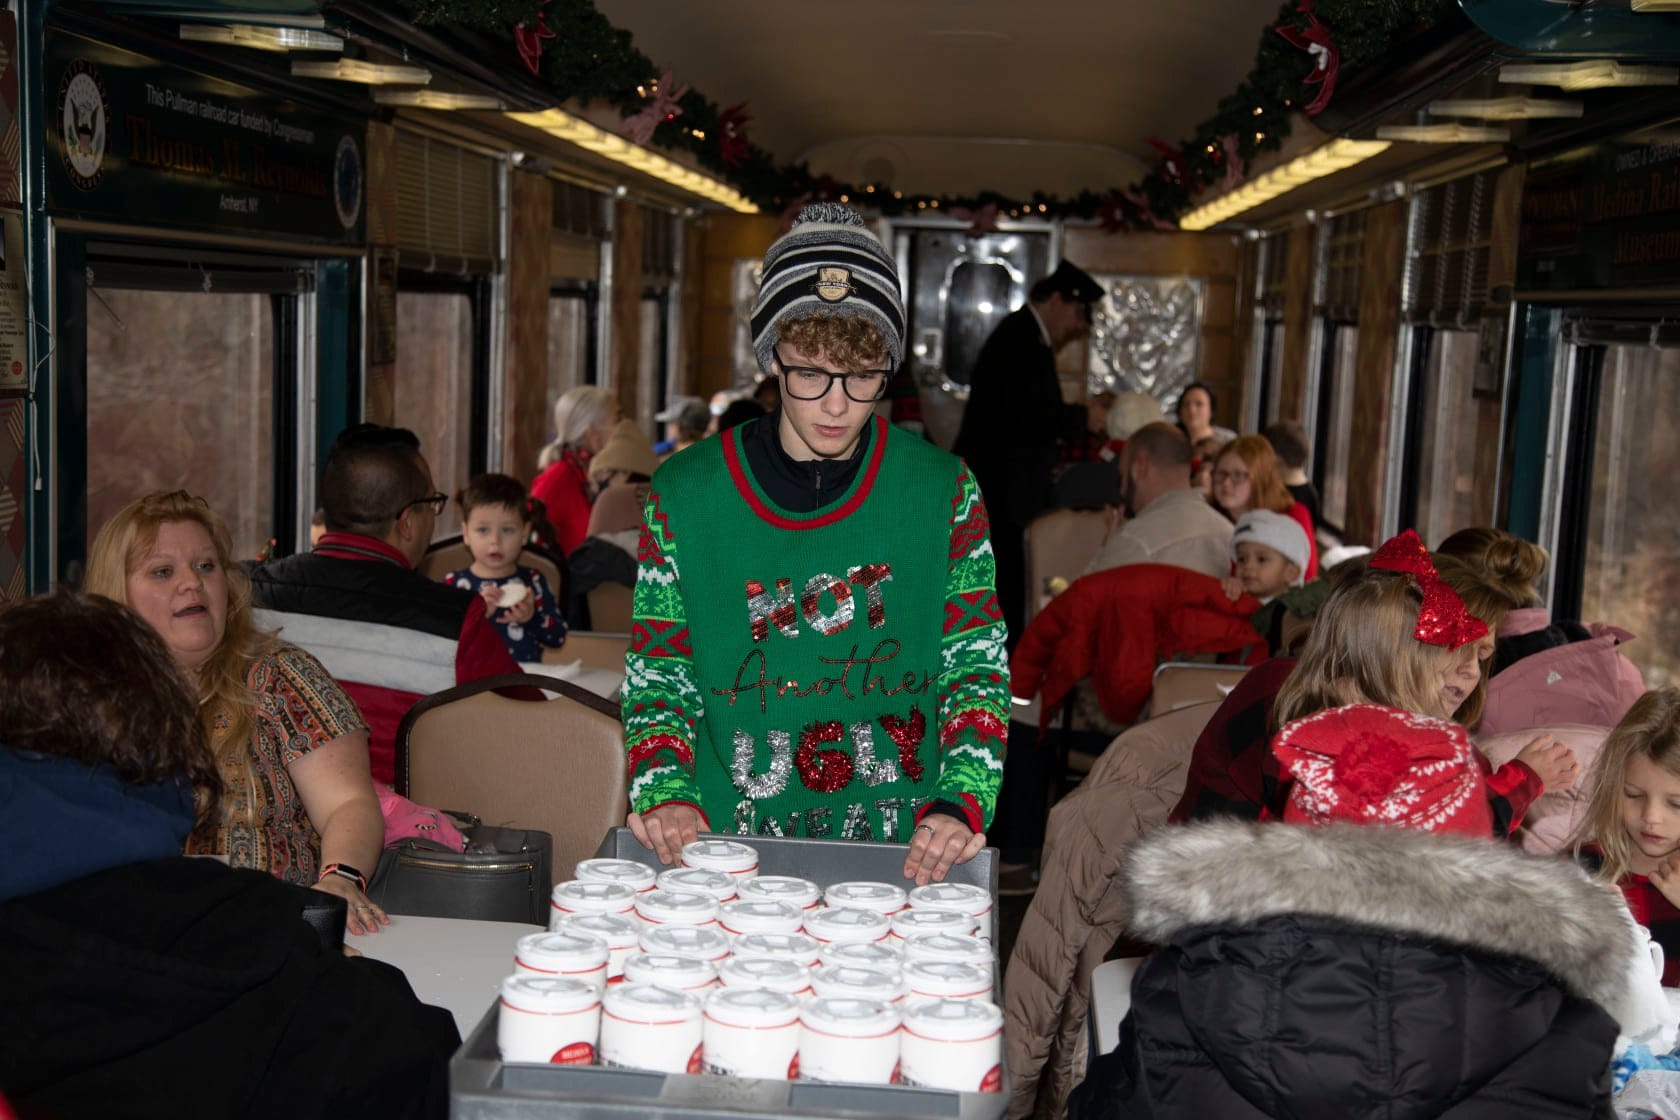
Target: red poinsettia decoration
981, 221
1145, 211
1111, 214
733, 145
1170, 156
529, 39
1315, 39
663, 95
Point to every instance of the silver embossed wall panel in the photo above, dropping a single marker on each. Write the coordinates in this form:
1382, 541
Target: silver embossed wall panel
744, 280
1146, 335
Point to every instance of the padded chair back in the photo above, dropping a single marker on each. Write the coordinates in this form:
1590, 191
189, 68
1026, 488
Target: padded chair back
557, 765
451, 554
1060, 543
1178, 684
610, 607
596, 650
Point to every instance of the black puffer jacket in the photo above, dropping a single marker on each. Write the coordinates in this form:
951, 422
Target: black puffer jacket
1349, 972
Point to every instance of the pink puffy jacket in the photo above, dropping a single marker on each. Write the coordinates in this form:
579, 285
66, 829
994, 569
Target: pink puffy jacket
1586, 682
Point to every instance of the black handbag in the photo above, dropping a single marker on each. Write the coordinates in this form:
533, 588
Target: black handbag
503, 876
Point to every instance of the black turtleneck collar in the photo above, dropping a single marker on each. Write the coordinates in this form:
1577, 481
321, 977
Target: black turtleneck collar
798, 485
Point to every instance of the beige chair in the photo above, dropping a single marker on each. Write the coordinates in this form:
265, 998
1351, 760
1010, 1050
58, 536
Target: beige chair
1178, 684
610, 608
557, 765
1059, 545
450, 554
596, 650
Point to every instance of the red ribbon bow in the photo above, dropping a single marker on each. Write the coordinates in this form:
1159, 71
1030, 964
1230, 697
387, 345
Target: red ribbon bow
1442, 619
529, 39
1327, 60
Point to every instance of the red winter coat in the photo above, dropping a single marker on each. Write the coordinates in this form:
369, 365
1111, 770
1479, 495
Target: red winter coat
1114, 626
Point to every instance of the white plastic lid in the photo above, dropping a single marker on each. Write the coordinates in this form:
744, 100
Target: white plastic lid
593, 896
681, 908
947, 947
760, 916
619, 931
764, 972
759, 1008
720, 855
966, 897
884, 955
800, 893
548, 995
865, 983
636, 876
562, 951
850, 1017
846, 924
883, 898
652, 1004
702, 942
800, 947
669, 970
907, 923
947, 978
698, 880
955, 1020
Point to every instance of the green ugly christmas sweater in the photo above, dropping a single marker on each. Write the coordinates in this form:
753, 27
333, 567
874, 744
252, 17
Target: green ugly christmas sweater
817, 674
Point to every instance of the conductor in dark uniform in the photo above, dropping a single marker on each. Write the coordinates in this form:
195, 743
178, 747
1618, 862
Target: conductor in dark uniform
1016, 416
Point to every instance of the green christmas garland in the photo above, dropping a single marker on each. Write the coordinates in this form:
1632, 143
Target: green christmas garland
589, 59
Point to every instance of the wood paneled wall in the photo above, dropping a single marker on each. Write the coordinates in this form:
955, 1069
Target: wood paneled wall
379, 385
1297, 322
716, 241
1381, 271
623, 372
525, 403
1502, 278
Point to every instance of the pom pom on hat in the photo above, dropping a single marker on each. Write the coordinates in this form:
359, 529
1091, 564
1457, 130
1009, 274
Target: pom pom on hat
1376, 765
828, 262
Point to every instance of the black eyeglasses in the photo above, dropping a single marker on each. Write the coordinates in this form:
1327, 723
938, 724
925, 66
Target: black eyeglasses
436, 501
807, 384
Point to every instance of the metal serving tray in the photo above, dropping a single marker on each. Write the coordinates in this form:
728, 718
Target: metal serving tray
481, 1087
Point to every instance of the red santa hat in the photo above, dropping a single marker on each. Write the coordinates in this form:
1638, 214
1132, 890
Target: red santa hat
1376, 765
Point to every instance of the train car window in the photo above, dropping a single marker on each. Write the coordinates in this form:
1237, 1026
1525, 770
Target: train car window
1443, 464
1268, 323
572, 316
1335, 421
443, 337
653, 367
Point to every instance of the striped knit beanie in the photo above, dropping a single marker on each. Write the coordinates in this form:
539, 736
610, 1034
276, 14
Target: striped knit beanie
829, 262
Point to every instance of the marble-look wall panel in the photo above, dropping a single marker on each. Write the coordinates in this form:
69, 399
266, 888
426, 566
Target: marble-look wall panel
1381, 270
525, 403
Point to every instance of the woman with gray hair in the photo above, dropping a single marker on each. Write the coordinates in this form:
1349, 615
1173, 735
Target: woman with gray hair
583, 419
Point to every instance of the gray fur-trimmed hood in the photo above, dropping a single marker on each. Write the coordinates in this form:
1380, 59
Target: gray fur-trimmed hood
1476, 893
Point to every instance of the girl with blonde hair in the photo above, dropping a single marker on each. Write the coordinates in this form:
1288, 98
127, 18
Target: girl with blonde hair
584, 418
1246, 477
290, 746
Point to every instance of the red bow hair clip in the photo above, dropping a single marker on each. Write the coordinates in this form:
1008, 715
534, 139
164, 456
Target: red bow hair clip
1442, 619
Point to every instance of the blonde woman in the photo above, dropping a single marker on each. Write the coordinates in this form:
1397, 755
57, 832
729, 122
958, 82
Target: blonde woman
584, 418
291, 747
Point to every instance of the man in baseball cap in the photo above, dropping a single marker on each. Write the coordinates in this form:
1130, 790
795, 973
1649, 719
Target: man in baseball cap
816, 647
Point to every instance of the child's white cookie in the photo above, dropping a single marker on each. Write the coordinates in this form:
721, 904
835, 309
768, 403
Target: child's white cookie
513, 593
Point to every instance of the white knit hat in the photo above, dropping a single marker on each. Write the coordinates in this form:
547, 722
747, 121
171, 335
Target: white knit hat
1278, 532
829, 262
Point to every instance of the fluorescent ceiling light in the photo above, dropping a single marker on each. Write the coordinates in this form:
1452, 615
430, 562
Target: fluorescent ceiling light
1444, 133
366, 73
436, 99
261, 38
1507, 108
1326, 160
1598, 74
577, 131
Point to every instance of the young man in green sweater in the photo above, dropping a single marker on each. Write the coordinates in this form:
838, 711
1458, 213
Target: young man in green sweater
817, 648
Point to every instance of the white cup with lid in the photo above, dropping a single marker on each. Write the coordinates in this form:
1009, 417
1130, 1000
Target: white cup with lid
703, 942
676, 908
731, 857
668, 970
799, 947
589, 896
842, 1039
801, 894
621, 932
948, 947
572, 954
759, 916
886, 955
953, 1044
928, 981
908, 923
752, 1032
883, 898
548, 1019
964, 897
842, 980
645, 1026
846, 924
699, 880
789, 977
638, 877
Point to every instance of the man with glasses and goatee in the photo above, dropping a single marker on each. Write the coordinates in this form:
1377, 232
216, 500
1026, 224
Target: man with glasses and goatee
381, 507
817, 648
